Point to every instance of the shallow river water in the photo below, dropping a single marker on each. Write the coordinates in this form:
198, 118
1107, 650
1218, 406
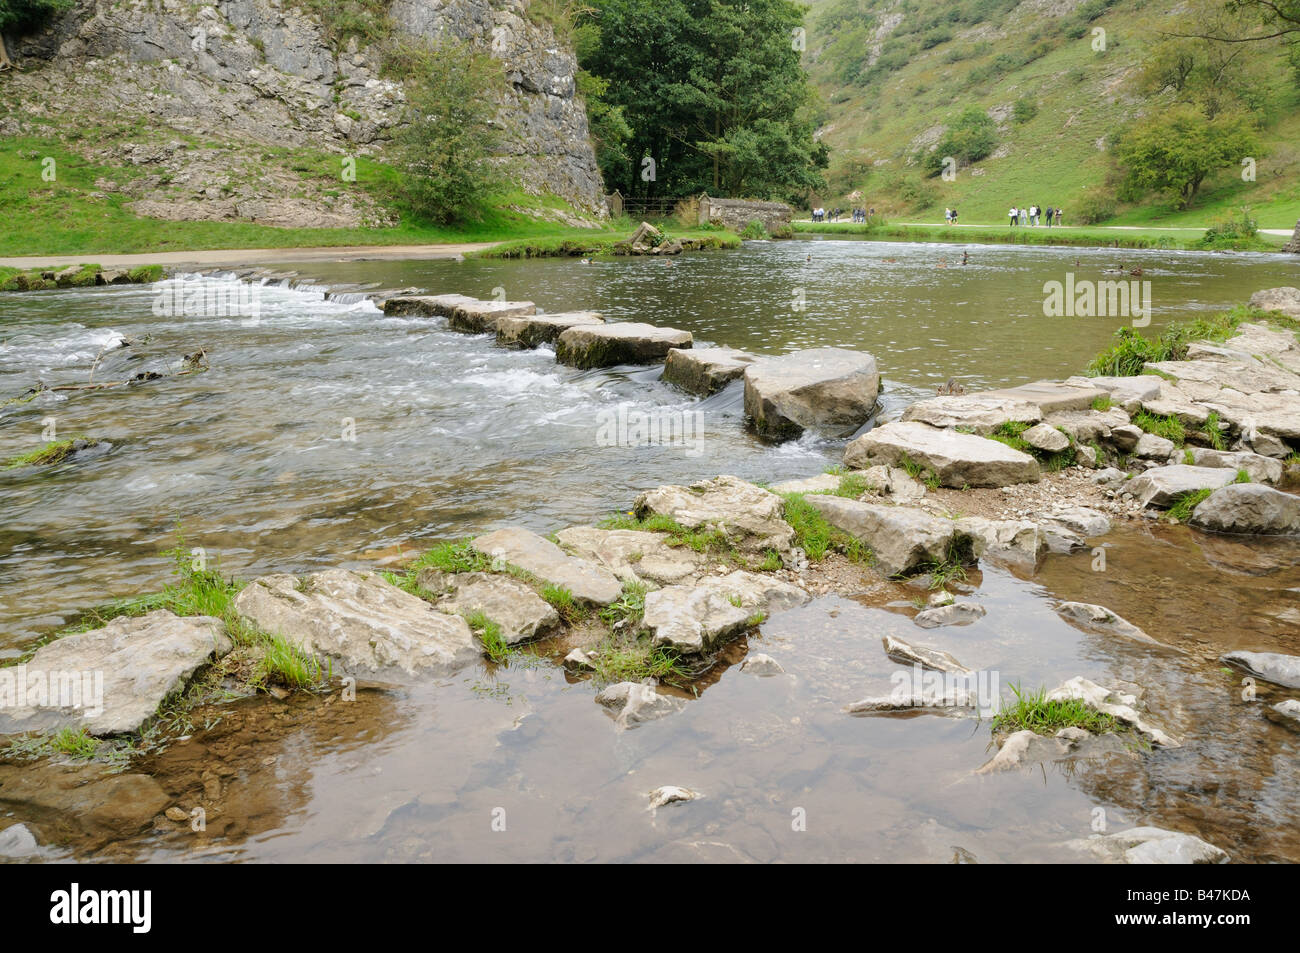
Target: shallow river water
327, 434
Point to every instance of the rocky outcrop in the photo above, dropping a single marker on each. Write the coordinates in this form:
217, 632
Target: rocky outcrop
585, 581
1249, 508
828, 390
705, 370
749, 517
628, 342
956, 459
1286, 300
902, 539
693, 619
1118, 705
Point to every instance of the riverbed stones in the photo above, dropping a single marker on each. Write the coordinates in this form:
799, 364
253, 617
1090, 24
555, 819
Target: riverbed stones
1285, 713
936, 660
521, 613
531, 331
902, 539
480, 317
751, 518
427, 306
363, 624
1018, 543
953, 702
671, 794
1259, 468
634, 555
1153, 447
959, 613
1118, 705
635, 703
141, 660
1150, 845
762, 665
1248, 508
828, 390
1095, 618
696, 618
1047, 438
981, 413
1163, 486
1270, 666
956, 459
628, 342
585, 581
705, 370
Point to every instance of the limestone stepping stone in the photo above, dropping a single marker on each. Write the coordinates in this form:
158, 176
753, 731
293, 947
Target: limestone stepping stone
521, 613
1259, 468
1051, 397
982, 413
585, 581
828, 390
1114, 703
903, 539
1127, 392
530, 331
364, 625
1094, 618
959, 613
431, 306
1163, 486
1019, 543
109, 680
696, 618
1047, 438
634, 703
1248, 508
1150, 845
957, 459
633, 555
1087, 426
481, 317
752, 518
934, 659
1271, 666
705, 370
626, 342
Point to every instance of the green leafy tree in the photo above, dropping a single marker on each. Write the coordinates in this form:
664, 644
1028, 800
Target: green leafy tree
1174, 151
969, 138
444, 151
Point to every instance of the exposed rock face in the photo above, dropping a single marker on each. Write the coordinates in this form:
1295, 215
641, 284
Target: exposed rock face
1163, 486
252, 73
1271, 666
695, 618
751, 518
957, 459
535, 330
633, 555
366, 626
828, 390
628, 342
901, 538
520, 612
138, 661
704, 370
518, 547
1150, 845
1249, 508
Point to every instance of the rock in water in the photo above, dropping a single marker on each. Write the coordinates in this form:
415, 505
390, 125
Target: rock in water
956, 459
140, 659
933, 659
1248, 508
1285, 713
828, 390
518, 547
751, 518
1150, 845
959, 613
634, 554
530, 331
695, 618
634, 703
1094, 618
1271, 666
521, 613
671, 794
902, 539
364, 625
607, 345
705, 370
764, 666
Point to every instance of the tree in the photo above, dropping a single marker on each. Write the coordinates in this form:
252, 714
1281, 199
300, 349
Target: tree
969, 138
1176, 150
444, 152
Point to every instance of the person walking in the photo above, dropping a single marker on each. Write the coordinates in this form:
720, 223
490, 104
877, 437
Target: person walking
1014, 215
954, 216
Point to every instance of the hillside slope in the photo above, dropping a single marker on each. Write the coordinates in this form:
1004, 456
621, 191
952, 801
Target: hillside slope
895, 73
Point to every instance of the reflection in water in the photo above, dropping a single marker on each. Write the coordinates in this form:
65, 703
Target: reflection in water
454, 435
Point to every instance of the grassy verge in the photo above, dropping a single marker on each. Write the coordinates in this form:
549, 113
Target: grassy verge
1188, 239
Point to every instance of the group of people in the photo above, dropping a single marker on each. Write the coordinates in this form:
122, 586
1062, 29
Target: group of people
1034, 215
857, 215
950, 216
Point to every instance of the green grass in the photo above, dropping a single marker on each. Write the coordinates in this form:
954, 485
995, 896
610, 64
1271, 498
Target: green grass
56, 451
489, 633
624, 658
1130, 351
1033, 711
563, 602
283, 663
1169, 427
713, 541
1070, 237
627, 611
599, 242
1181, 509
1214, 431
1102, 403
816, 537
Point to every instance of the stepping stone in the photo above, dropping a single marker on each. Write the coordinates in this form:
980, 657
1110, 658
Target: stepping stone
752, 518
530, 331
1163, 486
901, 538
634, 555
907, 654
364, 625
696, 618
705, 370
609, 345
585, 581
521, 613
481, 317
982, 413
828, 390
430, 306
957, 459
1127, 392
1051, 397
957, 702
109, 680
1248, 508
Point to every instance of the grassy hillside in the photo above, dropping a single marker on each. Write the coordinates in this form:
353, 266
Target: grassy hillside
896, 73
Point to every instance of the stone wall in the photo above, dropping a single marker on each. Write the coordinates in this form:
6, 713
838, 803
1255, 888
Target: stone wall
737, 213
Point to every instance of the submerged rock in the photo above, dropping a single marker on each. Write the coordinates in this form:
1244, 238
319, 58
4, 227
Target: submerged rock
109, 680
955, 702
902, 539
828, 390
956, 459
705, 370
627, 342
751, 518
934, 659
1270, 666
1094, 618
696, 618
1081, 520
1150, 845
521, 613
363, 624
1285, 713
1249, 508
17, 842
671, 794
761, 665
530, 331
585, 581
959, 613
634, 703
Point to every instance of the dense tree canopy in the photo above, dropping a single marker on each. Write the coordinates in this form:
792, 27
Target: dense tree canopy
710, 91
1175, 151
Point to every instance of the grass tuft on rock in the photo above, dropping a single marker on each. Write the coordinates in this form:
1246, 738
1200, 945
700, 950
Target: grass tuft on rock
816, 537
1033, 711
56, 451
1169, 427
1181, 509
489, 633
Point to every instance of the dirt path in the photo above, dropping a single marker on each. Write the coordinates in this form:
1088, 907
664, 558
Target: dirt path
253, 256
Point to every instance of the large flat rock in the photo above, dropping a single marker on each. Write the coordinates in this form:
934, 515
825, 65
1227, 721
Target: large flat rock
1286, 300
696, 618
109, 680
1259, 468
1018, 543
958, 459
521, 613
1249, 508
1051, 397
481, 317
362, 624
1150, 845
752, 518
627, 342
1127, 392
903, 539
585, 581
634, 555
1163, 486
429, 306
705, 370
537, 329
828, 390
981, 413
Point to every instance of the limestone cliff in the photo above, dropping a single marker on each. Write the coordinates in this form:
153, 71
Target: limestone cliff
245, 83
